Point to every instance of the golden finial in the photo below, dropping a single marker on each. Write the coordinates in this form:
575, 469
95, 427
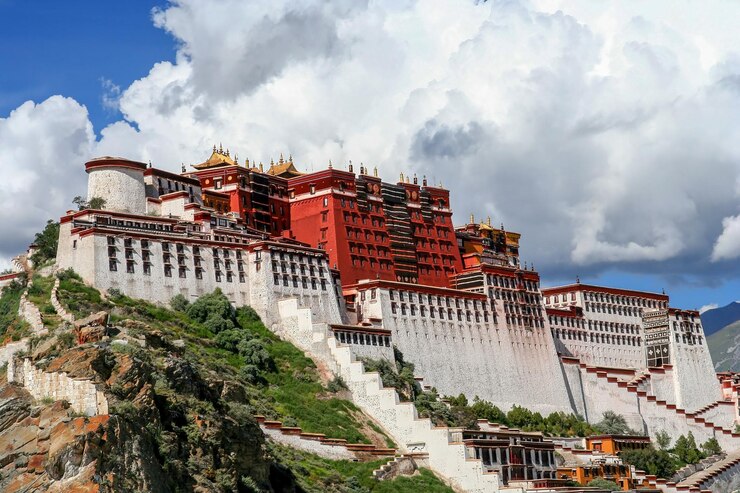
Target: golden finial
214, 147
424, 180
183, 167
350, 167
272, 163
290, 158
362, 168
227, 151
407, 178
416, 181
472, 219
401, 177
375, 171
261, 167
220, 148
236, 159
488, 220
281, 161
246, 163
330, 165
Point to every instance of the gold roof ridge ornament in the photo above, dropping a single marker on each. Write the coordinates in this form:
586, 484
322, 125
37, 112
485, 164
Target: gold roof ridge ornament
218, 159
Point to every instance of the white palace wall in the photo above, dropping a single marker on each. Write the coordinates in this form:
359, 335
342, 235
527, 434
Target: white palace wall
122, 188
695, 381
505, 365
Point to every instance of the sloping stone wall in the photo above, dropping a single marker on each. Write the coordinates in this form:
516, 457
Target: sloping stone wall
61, 311
83, 395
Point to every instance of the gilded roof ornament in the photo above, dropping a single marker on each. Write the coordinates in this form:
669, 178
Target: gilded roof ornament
281, 160
375, 171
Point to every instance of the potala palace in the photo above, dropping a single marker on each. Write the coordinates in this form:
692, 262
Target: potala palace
345, 265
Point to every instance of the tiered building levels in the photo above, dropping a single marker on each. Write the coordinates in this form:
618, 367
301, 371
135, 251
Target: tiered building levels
337, 260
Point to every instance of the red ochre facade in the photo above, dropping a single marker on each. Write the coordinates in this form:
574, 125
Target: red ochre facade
370, 229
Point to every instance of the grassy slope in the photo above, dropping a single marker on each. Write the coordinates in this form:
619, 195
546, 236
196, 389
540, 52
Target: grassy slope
724, 345
292, 391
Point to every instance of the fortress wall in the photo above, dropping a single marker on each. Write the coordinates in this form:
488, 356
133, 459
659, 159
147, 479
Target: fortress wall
661, 384
574, 386
504, 365
694, 378
10, 349
602, 396
602, 354
82, 395
722, 414
265, 294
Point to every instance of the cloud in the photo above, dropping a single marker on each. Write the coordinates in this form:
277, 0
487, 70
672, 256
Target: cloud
607, 135
710, 306
727, 246
42, 147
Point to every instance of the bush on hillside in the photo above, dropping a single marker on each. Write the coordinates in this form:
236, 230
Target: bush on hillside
179, 303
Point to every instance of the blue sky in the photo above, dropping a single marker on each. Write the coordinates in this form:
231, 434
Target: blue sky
70, 48
614, 147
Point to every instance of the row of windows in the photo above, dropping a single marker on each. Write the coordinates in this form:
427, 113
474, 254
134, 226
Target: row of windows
614, 309
182, 271
440, 300
597, 325
575, 335
615, 299
466, 315
297, 281
512, 283
363, 339
294, 268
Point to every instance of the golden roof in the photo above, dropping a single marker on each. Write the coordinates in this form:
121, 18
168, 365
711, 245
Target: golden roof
218, 158
283, 169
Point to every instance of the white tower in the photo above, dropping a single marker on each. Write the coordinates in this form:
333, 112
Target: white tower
120, 182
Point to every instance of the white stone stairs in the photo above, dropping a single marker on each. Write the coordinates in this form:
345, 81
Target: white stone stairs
700, 478
699, 426
400, 419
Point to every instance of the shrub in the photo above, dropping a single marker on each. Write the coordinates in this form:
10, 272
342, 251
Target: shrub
336, 384
251, 374
254, 353
614, 424
216, 323
66, 340
604, 484
230, 338
711, 447
46, 243
657, 462
179, 303
210, 305
68, 274
114, 293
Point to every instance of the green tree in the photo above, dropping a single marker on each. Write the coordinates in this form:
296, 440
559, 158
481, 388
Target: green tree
686, 449
604, 484
711, 447
663, 440
96, 203
46, 243
657, 462
614, 424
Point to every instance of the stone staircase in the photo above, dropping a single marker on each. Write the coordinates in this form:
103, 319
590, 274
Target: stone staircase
320, 444
400, 419
61, 311
400, 465
658, 414
704, 478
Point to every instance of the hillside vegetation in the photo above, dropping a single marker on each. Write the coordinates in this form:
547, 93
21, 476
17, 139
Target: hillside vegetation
183, 385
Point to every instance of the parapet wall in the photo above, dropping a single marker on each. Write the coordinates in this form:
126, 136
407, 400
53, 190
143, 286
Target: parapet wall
83, 396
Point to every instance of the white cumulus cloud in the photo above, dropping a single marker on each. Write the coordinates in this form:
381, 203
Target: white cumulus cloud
606, 133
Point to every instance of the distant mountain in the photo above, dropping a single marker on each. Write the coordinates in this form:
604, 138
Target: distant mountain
724, 346
719, 318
